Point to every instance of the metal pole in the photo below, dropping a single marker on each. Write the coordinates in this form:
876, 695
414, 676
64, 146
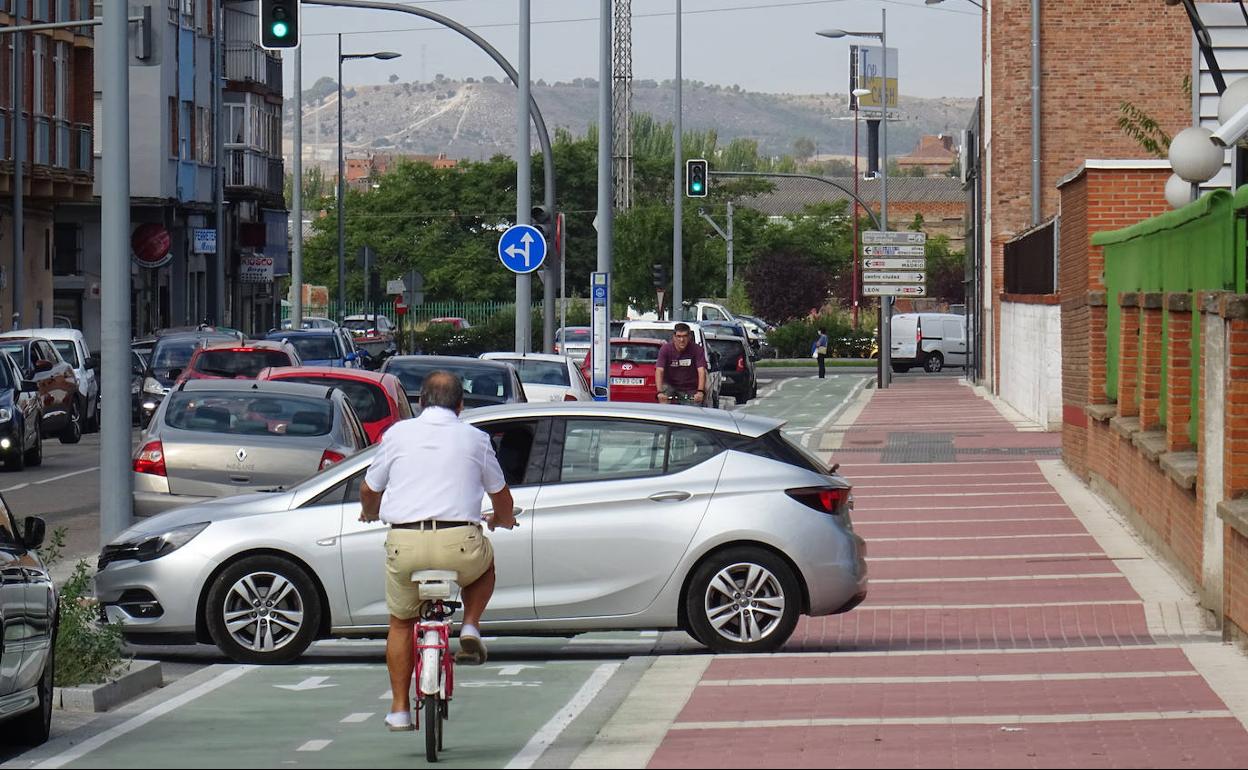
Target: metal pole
524, 183
854, 257
886, 303
296, 256
729, 251
606, 192
1035, 112
678, 274
116, 505
342, 234
218, 259
563, 277
19, 181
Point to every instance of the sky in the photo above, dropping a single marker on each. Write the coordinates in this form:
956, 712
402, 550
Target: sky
764, 45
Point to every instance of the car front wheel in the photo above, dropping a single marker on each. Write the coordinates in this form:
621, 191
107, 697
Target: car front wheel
73, 432
743, 600
263, 609
34, 727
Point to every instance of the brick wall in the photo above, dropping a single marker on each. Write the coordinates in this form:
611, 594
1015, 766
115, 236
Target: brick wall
1150, 347
1179, 374
1235, 459
1235, 558
1128, 356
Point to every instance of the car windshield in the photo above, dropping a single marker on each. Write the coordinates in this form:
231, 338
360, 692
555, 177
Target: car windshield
727, 349
483, 384
239, 363
250, 414
368, 399
358, 324
68, 351
651, 332
18, 352
574, 335
535, 372
315, 348
635, 352
173, 354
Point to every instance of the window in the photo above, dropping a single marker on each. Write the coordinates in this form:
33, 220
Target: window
204, 150
39, 56
513, 444
368, 400
952, 329
249, 414
713, 314
68, 351
187, 146
538, 372
174, 136
598, 450
61, 65
689, 447
97, 133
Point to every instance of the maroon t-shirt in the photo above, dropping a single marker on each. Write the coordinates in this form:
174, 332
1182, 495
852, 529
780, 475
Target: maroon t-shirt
680, 369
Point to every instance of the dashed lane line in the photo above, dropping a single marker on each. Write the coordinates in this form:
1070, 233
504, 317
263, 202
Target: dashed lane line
316, 745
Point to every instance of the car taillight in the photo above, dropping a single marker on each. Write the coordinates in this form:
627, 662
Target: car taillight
741, 363
151, 459
329, 457
569, 397
822, 499
918, 334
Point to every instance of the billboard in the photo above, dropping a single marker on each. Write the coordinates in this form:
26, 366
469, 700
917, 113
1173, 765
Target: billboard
866, 70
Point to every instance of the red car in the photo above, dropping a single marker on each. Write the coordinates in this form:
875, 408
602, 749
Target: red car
632, 369
378, 399
238, 360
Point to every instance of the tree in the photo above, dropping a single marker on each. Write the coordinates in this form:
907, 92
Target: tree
946, 271
784, 284
803, 148
394, 78
322, 88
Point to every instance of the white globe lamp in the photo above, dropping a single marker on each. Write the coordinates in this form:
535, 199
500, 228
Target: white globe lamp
1178, 192
1232, 100
1194, 156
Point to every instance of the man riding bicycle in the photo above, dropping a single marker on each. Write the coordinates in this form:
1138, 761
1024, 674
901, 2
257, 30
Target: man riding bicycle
427, 482
681, 369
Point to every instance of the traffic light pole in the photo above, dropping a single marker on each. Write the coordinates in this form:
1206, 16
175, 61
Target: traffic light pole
678, 200
727, 236
524, 184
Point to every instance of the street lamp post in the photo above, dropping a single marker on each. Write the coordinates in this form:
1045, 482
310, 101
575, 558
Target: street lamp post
858, 94
886, 308
342, 175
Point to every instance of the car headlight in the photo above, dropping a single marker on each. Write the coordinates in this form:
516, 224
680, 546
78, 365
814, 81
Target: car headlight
5, 414
149, 547
153, 387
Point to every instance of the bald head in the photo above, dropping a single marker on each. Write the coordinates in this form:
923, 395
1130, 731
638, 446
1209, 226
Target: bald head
441, 388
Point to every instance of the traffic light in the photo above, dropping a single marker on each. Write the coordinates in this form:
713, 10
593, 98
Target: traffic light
279, 24
543, 219
696, 176
659, 272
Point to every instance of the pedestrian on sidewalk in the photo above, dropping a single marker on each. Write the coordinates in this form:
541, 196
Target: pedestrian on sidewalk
820, 351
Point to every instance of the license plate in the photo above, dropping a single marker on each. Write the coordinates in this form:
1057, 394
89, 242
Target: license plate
628, 380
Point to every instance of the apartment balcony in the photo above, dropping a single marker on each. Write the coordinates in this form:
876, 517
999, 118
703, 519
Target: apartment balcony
249, 63
251, 171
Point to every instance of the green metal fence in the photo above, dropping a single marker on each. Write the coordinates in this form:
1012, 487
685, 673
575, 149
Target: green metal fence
476, 312
1199, 247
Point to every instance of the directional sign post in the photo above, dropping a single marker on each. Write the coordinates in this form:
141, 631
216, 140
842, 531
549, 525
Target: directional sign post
895, 264
894, 251
522, 249
894, 290
893, 238
894, 277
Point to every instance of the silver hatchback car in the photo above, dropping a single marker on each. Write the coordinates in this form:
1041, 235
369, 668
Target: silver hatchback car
213, 438
634, 516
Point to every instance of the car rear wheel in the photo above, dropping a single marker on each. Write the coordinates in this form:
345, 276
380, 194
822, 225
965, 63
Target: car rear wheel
263, 609
73, 432
900, 369
933, 363
34, 727
743, 600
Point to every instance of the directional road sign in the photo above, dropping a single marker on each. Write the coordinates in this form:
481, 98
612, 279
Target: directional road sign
899, 238
894, 277
894, 289
908, 263
600, 335
894, 251
522, 249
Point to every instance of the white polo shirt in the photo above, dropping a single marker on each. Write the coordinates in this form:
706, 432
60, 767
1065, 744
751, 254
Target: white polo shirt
434, 467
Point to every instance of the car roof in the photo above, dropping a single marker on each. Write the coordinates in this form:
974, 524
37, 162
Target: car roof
334, 372
259, 387
46, 333
508, 356
751, 426
284, 333
447, 361
249, 344
182, 336
661, 324
710, 335
366, 317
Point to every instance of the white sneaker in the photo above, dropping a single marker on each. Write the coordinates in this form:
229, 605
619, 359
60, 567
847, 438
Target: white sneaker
399, 722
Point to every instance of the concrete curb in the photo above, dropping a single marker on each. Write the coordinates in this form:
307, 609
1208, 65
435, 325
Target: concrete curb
140, 677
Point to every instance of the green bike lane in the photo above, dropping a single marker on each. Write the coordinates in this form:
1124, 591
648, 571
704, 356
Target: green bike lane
809, 405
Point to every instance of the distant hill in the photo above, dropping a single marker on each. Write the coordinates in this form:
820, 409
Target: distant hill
474, 119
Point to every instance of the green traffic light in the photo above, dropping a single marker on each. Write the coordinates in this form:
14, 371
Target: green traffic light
697, 187
280, 29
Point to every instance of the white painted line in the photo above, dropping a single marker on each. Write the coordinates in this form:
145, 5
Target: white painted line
1040, 483
934, 508
999, 719
544, 737
1038, 556
612, 642
873, 522
15, 488
842, 680
1039, 476
314, 745
995, 578
387, 695
67, 475
974, 537
1067, 651
649, 634
1014, 605
362, 716
965, 494
98, 741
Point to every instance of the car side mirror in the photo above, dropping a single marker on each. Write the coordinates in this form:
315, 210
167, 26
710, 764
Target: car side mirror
350, 357
34, 532
29, 386
42, 366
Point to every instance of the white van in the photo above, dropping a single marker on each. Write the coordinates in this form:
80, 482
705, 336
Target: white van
930, 340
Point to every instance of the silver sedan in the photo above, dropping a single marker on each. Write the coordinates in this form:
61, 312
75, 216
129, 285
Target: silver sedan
633, 517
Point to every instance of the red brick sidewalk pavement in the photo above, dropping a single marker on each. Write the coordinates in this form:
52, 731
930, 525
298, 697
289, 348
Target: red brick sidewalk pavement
997, 633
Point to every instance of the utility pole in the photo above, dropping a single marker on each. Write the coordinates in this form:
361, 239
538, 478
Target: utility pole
886, 303
678, 276
727, 236
218, 150
296, 256
19, 182
524, 183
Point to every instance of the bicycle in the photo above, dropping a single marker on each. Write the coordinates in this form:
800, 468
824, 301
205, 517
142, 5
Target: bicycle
683, 399
431, 648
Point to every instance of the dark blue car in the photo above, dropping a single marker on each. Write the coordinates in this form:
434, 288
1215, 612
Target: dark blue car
321, 347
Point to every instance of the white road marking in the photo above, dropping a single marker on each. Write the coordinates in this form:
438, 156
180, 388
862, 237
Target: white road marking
98, 741
311, 683
973, 537
1044, 556
1066, 651
67, 475
544, 737
513, 669
952, 679
15, 488
314, 745
990, 719
649, 634
362, 716
877, 581
970, 521
1014, 605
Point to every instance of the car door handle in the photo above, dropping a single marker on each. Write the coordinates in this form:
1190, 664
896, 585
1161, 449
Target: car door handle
670, 497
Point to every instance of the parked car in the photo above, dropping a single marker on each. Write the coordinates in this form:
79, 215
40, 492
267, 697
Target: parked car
218, 438
930, 340
546, 377
28, 614
455, 323
632, 517
138, 365
573, 342
72, 346
170, 356
311, 322
21, 418
321, 347
736, 366
378, 399
232, 361
486, 383
56, 383
663, 330
373, 333
631, 374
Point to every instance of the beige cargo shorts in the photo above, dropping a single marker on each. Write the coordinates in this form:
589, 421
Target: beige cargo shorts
464, 550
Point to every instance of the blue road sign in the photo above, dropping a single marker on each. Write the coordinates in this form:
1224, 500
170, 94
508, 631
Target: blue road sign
522, 249
600, 334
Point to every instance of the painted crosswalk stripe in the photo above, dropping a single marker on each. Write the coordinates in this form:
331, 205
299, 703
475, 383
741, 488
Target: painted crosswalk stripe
363, 716
314, 745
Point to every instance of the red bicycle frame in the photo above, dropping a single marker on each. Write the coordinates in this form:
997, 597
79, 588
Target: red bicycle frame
443, 628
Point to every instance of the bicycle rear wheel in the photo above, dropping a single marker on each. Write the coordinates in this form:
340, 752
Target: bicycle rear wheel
433, 729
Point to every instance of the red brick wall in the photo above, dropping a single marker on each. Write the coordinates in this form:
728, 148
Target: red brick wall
1235, 576
1128, 360
1179, 376
1150, 362
1235, 462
